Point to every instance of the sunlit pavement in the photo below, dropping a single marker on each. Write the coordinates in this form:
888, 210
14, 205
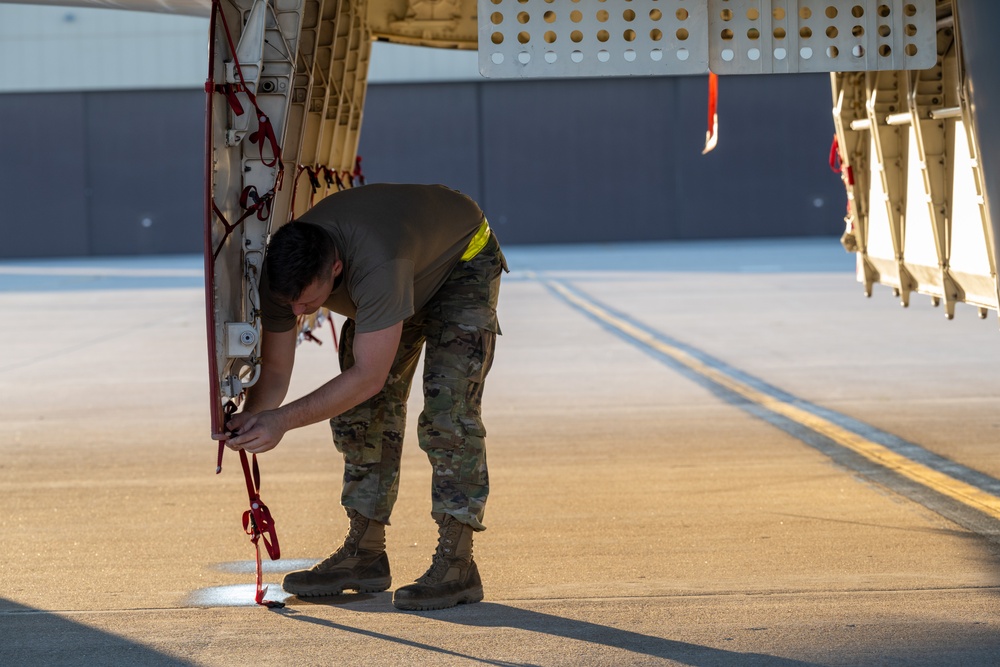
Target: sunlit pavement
643, 510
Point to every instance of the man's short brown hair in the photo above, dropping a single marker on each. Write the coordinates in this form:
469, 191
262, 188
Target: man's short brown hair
298, 254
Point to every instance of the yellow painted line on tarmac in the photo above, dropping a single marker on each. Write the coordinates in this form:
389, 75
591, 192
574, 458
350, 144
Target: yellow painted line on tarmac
940, 482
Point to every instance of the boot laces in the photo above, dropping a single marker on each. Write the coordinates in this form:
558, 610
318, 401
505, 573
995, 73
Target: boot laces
348, 548
444, 556
439, 568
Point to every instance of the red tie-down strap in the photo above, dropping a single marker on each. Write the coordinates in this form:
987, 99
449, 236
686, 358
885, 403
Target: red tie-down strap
313, 179
333, 176
257, 521
229, 91
712, 135
313, 183
264, 134
327, 175
265, 130
836, 163
259, 525
251, 203
357, 177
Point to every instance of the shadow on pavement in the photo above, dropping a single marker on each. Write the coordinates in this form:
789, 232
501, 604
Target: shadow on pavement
492, 615
31, 636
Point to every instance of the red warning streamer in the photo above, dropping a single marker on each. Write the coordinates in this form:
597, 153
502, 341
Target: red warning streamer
712, 135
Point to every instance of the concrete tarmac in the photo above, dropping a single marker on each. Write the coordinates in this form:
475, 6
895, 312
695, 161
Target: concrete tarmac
646, 509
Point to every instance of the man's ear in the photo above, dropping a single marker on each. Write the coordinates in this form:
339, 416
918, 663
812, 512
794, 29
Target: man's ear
337, 268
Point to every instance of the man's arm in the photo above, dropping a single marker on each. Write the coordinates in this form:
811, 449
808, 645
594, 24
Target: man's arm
374, 353
277, 359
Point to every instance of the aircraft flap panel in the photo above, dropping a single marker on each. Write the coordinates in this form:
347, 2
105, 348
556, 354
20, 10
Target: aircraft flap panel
784, 36
542, 38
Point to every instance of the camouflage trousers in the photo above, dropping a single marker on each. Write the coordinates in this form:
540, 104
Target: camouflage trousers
458, 327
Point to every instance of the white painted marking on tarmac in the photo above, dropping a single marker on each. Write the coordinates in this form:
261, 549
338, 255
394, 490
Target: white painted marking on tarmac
239, 595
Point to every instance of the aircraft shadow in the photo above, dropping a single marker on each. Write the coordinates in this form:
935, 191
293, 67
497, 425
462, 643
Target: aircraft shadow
494, 615
30, 636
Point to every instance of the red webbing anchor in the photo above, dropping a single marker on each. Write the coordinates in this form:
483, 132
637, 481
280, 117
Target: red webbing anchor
327, 175
313, 183
333, 176
257, 521
357, 176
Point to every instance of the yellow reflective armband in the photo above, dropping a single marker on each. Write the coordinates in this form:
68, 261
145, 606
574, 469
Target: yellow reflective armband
478, 241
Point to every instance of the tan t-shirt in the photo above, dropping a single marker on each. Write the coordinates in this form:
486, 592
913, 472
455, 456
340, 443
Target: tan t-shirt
398, 244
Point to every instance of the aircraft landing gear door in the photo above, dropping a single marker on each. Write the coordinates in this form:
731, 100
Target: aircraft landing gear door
253, 49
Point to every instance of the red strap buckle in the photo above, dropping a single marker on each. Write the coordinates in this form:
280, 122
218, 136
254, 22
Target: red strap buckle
258, 524
256, 203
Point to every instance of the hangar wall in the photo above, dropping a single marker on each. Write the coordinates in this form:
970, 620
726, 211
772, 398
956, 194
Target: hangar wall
120, 172
617, 159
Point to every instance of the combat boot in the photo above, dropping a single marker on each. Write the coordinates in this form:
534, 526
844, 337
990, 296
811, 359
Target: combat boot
361, 564
453, 577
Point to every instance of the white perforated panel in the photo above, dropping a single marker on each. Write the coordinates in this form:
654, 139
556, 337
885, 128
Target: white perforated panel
561, 38
764, 36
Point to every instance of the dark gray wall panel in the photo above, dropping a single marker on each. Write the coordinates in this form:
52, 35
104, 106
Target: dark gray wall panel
422, 133
145, 163
620, 159
41, 176
580, 160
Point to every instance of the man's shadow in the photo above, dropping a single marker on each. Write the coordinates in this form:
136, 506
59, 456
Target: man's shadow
495, 615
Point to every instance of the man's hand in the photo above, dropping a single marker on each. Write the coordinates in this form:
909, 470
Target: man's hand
256, 433
237, 422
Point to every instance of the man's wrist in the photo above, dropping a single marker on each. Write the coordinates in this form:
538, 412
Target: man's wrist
284, 417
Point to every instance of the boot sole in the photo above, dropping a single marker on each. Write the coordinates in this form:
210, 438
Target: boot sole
362, 586
470, 596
